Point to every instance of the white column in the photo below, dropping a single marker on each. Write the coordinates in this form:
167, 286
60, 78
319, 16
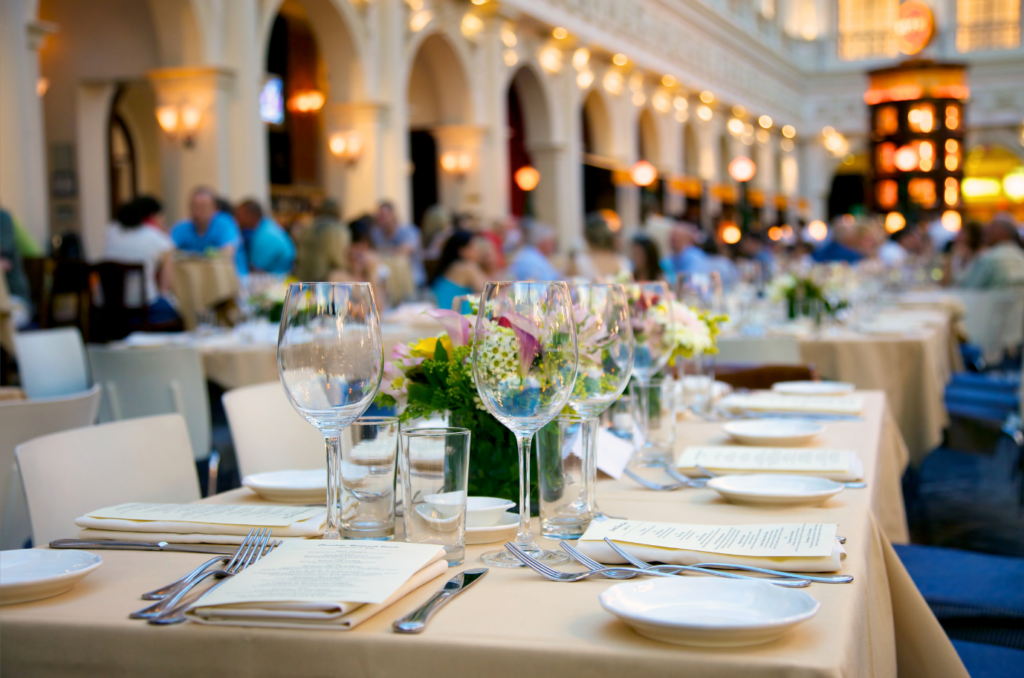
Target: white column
394, 132
361, 183
92, 120
23, 186
249, 175
707, 138
815, 174
672, 160
494, 183
569, 190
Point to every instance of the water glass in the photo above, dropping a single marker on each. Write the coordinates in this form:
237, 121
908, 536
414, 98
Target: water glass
565, 510
655, 416
698, 387
368, 479
435, 476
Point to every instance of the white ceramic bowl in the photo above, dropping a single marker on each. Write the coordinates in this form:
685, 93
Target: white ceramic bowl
486, 511
504, 531
708, 612
34, 574
776, 489
770, 432
814, 388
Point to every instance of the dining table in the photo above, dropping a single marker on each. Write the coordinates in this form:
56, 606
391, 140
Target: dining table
516, 623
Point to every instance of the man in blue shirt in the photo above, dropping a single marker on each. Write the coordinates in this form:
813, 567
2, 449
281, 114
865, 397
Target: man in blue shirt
685, 256
531, 261
842, 246
267, 246
209, 229
395, 239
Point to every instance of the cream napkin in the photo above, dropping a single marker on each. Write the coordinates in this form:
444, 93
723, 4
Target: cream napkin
854, 467
602, 553
772, 402
339, 616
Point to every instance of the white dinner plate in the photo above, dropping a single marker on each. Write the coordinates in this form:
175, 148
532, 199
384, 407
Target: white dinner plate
769, 432
814, 388
34, 574
300, 487
708, 612
776, 489
504, 531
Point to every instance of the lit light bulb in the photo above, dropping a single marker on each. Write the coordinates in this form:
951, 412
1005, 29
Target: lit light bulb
765, 122
789, 131
620, 59
559, 33
704, 113
580, 58
707, 97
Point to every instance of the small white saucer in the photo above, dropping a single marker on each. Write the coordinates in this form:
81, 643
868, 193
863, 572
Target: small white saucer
504, 531
34, 574
814, 388
770, 432
708, 612
299, 487
776, 489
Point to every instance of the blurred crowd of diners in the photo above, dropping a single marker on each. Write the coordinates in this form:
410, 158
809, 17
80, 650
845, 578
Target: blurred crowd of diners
451, 255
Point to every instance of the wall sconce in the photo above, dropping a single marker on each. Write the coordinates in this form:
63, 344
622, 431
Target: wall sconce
527, 178
456, 162
309, 101
346, 146
185, 119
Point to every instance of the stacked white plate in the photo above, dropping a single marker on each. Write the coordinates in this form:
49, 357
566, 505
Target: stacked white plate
708, 612
770, 432
290, 487
34, 574
776, 489
814, 388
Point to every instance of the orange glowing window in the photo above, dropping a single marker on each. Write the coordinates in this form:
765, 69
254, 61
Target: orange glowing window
952, 155
886, 159
951, 192
921, 118
886, 193
926, 151
922, 191
888, 121
952, 116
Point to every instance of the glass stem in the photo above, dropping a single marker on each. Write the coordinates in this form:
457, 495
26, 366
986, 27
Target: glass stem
590, 464
642, 413
332, 440
524, 537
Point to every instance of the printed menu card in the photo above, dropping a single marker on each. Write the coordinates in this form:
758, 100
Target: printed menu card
851, 405
838, 465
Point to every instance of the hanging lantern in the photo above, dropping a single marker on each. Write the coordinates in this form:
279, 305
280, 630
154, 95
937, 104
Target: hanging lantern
527, 178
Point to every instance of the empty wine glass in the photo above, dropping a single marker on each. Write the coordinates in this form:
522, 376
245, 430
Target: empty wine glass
524, 366
604, 335
330, 360
651, 313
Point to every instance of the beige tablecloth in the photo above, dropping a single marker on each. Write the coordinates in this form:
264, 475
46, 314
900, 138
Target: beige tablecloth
514, 623
201, 283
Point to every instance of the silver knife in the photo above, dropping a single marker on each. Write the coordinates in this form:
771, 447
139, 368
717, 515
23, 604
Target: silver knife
113, 544
417, 620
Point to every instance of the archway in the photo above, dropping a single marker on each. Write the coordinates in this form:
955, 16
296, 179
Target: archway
439, 113
652, 198
691, 169
530, 143
598, 188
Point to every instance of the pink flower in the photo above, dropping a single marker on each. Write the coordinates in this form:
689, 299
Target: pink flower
527, 334
455, 324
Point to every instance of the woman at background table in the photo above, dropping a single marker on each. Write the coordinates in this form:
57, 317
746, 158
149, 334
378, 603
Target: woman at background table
646, 259
323, 247
459, 271
601, 259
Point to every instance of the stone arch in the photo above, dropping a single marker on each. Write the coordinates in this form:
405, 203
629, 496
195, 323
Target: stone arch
597, 125
691, 151
538, 125
438, 84
648, 147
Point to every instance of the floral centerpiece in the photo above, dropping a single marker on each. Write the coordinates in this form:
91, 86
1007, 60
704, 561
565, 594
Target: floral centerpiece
691, 332
434, 376
794, 289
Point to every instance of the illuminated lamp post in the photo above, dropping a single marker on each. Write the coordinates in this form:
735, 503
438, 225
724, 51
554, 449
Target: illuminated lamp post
917, 120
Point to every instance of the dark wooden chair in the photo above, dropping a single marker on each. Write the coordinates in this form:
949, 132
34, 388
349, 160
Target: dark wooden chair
118, 303
755, 377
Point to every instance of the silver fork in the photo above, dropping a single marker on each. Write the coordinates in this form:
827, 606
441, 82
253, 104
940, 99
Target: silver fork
554, 575
176, 615
804, 579
171, 600
789, 581
164, 591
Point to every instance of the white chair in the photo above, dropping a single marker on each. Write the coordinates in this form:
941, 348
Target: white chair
143, 382
269, 435
760, 350
22, 420
70, 473
51, 362
994, 320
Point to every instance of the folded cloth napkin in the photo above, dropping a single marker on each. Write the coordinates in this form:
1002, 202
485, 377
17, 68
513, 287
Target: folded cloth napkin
773, 402
602, 553
200, 523
340, 616
854, 468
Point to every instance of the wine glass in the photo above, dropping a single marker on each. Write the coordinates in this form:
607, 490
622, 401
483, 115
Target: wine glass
330, 359
651, 313
604, 335
524, 366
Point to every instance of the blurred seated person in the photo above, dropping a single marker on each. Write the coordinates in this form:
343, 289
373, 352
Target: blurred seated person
131, 241
208, 229
267, 247
152, 212
1001, 263
391, 238
961, 252
601, 260
684, 254
532, 261
752, 246
842, 246
323, 248
646, 259
12, 265
459, 271
363, 263
717, 262
902, 245
437, 228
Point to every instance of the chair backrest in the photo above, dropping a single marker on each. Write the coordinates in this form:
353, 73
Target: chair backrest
52, 362
143, 382
994, 320
69, 473
756, 377
117, 301
268, 434
22, 420
774, 350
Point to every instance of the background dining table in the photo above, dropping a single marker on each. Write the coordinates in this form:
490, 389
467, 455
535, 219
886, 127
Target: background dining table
514, 622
